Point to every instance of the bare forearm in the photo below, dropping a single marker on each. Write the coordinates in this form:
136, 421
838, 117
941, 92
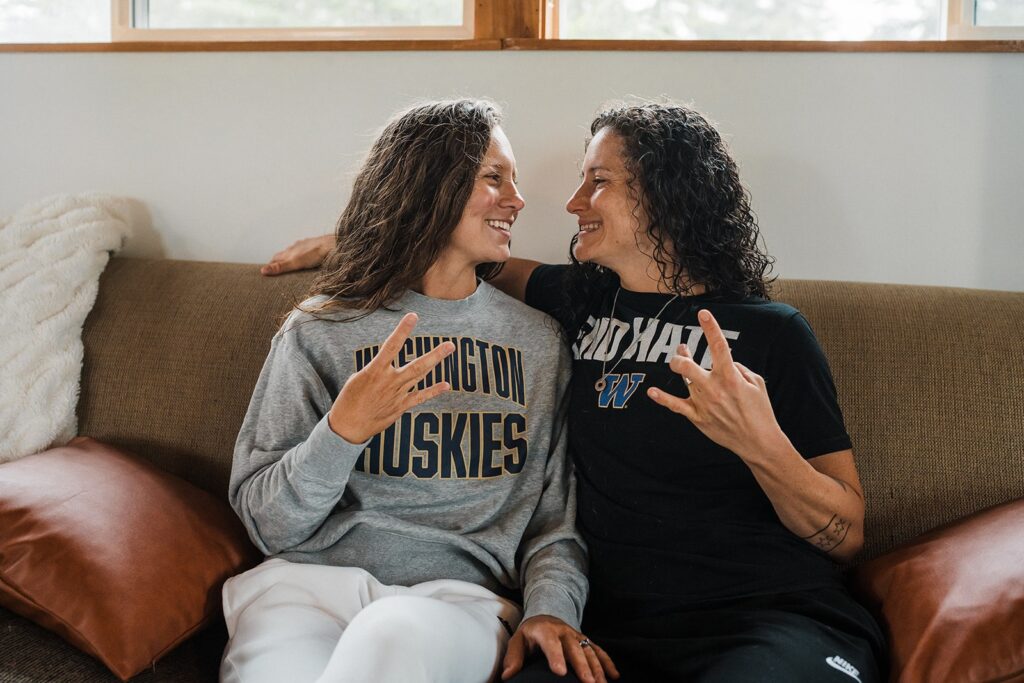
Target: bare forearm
305, 253
825, 511
513, 277
819, 502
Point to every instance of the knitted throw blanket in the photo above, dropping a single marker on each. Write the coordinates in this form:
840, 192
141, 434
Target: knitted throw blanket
51, 256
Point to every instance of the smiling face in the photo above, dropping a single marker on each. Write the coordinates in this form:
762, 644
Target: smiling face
612, 222
485, 230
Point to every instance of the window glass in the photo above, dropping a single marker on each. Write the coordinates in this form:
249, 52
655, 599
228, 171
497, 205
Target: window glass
291, 14
999, 13
54, 21
752, 19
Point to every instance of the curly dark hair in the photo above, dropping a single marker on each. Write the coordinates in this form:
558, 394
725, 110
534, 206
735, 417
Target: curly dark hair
700, 221
406, 201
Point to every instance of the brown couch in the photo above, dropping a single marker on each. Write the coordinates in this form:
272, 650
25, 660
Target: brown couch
929, 379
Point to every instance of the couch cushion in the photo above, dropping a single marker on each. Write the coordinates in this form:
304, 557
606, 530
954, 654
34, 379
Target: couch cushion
172, 353
953, 599
121, 559
929, 383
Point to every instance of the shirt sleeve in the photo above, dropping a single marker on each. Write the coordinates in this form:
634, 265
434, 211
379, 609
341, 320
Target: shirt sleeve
552, 555
803, 393
544, 290
289, 468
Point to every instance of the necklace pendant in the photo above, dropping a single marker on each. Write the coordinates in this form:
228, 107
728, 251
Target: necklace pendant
600, 384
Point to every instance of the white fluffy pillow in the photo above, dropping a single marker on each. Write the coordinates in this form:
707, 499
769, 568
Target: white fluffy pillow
51, 255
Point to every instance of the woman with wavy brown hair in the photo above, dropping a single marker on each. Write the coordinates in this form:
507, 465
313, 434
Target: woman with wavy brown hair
403, 460
717, 488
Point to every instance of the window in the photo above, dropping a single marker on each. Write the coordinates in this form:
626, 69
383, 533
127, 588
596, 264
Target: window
999, 13
166, 14
54, 21
289, 20
500, 24
57, 21
986, 19
752, 19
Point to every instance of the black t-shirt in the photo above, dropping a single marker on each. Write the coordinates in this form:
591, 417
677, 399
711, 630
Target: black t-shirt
671, 518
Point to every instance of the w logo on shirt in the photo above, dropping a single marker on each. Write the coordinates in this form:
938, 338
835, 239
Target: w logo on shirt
618, 389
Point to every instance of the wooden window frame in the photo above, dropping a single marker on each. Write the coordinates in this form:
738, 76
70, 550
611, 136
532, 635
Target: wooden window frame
960, 24
506, 25
123, 30
958, 18
510, 19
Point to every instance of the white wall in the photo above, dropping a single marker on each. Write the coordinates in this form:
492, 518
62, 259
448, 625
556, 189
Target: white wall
878, 167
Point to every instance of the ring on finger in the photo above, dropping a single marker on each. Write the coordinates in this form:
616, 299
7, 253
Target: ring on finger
585, 642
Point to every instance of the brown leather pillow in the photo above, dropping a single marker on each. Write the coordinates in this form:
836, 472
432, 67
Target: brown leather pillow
120, 558
953, 599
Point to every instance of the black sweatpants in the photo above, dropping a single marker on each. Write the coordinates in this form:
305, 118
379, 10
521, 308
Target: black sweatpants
822, 635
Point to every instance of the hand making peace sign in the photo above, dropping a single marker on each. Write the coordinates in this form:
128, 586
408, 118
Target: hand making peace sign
373, 398
729, 403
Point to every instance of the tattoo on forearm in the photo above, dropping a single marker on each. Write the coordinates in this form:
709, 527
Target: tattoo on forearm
830, 536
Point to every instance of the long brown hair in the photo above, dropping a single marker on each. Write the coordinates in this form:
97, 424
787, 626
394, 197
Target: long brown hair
406, 201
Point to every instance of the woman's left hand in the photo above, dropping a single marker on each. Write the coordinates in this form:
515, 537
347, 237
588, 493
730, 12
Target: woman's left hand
559, 642
729, 403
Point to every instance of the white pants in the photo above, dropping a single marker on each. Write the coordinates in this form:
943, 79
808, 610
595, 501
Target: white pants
299, 623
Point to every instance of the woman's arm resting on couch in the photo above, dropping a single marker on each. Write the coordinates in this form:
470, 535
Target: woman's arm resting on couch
300, 255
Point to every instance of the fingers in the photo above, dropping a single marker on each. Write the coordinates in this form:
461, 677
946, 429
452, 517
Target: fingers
272, 268
683, 364
578, 658
606, 662
563, 648
749, 374
745, 372
515, 654
283, 261
552, 649
410, 373
396, 340
301, 254
417, 397
721, 356
673, 403
414, 371
594, 664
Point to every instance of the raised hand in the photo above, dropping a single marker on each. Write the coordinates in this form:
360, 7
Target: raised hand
305, 253
559, 642
376, 396
729, 403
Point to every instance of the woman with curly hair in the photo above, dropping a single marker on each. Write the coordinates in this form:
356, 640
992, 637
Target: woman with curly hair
716, 482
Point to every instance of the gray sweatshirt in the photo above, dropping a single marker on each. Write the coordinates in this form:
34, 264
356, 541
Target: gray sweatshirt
473, 485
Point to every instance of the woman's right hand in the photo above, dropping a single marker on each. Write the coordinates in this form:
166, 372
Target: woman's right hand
305, 253
376, 396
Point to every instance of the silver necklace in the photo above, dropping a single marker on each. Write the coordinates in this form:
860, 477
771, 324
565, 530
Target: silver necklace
600, 384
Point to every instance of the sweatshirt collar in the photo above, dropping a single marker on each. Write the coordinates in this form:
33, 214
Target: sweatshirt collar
414, 301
